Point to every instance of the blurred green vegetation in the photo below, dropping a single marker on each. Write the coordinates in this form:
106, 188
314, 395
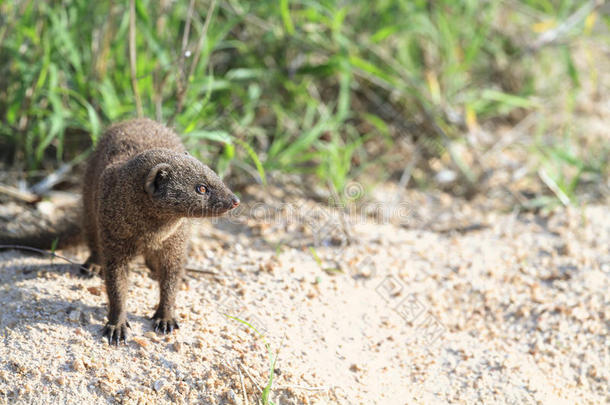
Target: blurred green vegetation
311, 86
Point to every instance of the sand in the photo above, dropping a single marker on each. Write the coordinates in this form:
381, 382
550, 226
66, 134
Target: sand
432, 302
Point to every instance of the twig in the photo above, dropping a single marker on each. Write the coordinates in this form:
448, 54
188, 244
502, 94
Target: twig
18, 194
478, 226
202, 271
132, 56
52, 179
46, 184
250, 377
243, 388
44, 252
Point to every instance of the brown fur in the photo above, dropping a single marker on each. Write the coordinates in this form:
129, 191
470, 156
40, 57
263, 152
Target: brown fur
138, 190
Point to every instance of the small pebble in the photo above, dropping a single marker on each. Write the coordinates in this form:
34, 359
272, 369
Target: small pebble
78, 365
94, 290
74, 316
158, 385
141, 342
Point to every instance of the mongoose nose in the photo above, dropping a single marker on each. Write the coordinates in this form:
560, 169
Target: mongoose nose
235, 201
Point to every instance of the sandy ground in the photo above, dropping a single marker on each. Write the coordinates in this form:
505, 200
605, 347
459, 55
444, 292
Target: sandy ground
483, 306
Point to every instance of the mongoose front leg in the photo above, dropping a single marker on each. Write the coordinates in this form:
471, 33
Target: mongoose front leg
165, 315
115, 274
168, 264
170, 277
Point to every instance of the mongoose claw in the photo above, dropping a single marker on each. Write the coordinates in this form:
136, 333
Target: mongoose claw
165, 325
85, 273
116, 332
90, 270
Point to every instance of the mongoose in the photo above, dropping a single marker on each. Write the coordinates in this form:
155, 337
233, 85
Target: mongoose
139, 189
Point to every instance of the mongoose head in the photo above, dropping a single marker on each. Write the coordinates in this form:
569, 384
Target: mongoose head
180, 185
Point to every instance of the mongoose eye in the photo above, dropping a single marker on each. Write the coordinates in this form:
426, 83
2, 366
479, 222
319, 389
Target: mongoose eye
200, 189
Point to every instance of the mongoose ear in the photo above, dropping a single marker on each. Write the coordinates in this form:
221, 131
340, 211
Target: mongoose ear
156, 177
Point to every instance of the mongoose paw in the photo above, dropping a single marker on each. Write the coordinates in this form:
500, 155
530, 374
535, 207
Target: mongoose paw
164, 325
89, 270
116, 332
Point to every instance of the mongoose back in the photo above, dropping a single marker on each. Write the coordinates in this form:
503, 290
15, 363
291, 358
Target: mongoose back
139, 189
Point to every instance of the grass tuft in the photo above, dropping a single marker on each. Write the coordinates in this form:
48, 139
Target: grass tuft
313, 87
